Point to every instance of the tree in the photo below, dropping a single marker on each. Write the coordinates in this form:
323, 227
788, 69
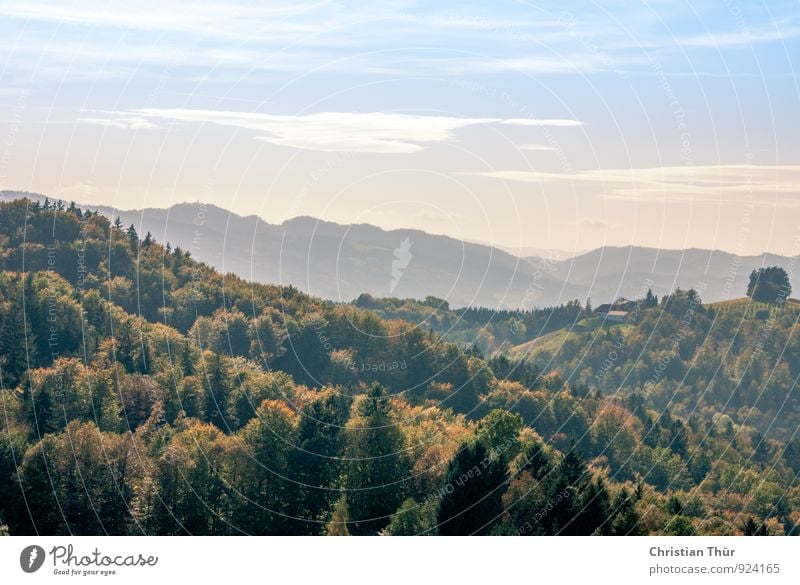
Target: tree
268, 498
769, 285
499, 430
80, 481
699, 466
537, 462
378, 466
12, 504
17, 342
566, 490
473, 495
317, 463
133, 238
413, 519
592, 517
38, 411
218, 381
339, 519
650, 300
267, 336
626, 519
753, 528
184, 491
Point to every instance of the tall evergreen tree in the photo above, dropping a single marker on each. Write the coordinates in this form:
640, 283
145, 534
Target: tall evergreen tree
378, 467
626, 519
473, 497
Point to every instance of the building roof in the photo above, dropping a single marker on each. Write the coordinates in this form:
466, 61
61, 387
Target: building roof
617, 313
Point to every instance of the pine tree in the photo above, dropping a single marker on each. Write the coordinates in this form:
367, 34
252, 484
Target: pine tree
753, 528
573, 470
472, 503
18, 343
565, 491
133, 238
187, 364
593, 516
378, 467
38, 412
218, 381
791, 455
762, 451
537, 462
680, 438
699, 466
626, 519
650, 300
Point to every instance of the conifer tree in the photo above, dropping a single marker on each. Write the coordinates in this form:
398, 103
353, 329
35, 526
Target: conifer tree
626, 519
472, 502
378, 467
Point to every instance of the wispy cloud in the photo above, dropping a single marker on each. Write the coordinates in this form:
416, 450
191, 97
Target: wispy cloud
702, 183
537, 147
204, 17
122, 122
534, 122
745, 36
376, 132
593, 223
544, 63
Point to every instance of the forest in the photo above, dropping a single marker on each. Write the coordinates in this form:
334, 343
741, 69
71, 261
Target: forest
143, 392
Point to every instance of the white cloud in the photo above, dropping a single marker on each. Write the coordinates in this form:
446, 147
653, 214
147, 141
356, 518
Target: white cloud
534, 122
122, 122
702, 183
537, 147
204, 17
743, 37
377, 132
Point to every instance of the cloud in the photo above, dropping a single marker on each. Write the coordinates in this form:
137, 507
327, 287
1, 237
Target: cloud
543, 64
533, 122
205, 18
699, 184
376, 132
537, 147
122, 122
745, 36
593, 223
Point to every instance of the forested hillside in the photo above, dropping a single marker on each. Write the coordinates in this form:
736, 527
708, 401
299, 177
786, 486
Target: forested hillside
145, 393
735, 363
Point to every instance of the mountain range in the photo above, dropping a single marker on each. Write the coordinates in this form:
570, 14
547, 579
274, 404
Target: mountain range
340, 262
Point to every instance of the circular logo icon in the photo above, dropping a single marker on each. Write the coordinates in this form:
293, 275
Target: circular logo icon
31, 558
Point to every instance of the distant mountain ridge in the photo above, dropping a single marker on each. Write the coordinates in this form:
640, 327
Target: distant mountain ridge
340, 262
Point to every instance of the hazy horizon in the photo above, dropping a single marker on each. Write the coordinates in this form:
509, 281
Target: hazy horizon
521, 252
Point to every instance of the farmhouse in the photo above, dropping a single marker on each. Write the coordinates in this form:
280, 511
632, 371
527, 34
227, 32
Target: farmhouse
617, 316
621, 304
616, 312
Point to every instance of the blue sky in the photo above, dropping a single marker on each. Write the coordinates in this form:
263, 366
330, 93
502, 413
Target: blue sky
549, 125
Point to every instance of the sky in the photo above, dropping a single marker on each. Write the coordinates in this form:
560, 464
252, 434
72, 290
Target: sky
550, 125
